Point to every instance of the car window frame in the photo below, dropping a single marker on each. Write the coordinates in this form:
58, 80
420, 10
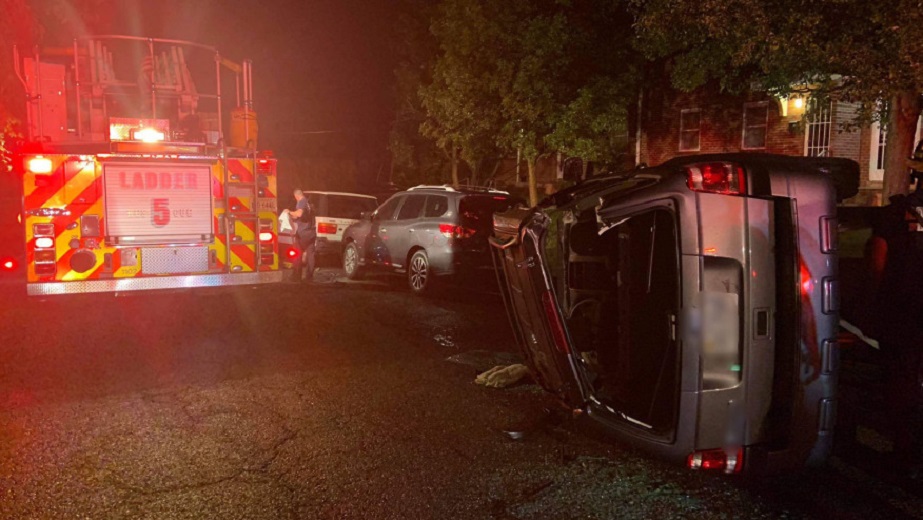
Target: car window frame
436, 195
350, 199
398, 202
407, 198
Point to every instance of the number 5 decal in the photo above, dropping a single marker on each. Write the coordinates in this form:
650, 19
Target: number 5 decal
160, 212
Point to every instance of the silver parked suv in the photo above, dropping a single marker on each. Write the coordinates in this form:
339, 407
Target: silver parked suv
425, 232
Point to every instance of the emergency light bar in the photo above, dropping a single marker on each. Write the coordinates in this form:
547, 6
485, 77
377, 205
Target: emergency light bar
147, 135
40, 165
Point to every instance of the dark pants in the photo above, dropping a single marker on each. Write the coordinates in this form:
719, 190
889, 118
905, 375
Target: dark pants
905, 400
306, 242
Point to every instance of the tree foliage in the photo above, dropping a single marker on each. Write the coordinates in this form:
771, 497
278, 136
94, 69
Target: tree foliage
529, 77
851, 50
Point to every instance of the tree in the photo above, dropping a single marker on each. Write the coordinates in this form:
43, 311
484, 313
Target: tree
416, 159
852, 50
460, 100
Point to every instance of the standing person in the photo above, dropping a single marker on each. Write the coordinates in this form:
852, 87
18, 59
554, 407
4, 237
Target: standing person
897, 253
306, 233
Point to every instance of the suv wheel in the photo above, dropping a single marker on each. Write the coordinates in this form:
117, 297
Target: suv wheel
419, 277
351, 261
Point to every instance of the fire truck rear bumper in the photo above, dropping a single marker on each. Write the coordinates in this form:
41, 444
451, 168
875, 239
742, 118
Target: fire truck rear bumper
153, 283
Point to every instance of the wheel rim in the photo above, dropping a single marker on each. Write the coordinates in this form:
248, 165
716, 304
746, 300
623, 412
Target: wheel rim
418, 273
350, 260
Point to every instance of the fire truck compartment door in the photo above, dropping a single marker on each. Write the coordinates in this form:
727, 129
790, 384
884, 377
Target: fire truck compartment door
158, 203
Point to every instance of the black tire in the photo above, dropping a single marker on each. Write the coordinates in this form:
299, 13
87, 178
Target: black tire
351, 262
419, 275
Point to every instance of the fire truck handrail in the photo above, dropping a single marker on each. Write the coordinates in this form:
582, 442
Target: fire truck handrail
151, 40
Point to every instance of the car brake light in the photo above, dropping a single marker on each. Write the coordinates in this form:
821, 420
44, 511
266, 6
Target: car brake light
326, 228
732, 462
265, 236
716, 177
554, 321
40, 165
8, 264
44, 242
452, 231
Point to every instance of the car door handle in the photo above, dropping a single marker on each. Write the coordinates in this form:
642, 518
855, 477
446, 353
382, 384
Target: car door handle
382, 230
411, 230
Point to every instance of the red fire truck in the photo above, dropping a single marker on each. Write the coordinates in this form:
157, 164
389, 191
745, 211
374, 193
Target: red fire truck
127, 178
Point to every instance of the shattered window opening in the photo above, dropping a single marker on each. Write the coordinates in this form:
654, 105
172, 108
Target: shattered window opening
623, 287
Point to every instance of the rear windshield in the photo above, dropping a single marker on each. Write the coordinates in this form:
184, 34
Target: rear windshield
344, 206
478, 210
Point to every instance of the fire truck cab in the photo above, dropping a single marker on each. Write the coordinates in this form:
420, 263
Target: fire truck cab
135, 174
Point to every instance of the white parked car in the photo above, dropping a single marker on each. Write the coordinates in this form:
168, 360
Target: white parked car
333, 213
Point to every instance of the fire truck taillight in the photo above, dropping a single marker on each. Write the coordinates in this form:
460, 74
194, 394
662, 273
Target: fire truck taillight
147, 135
291, 253
44, 242
40, 165
266, 236
716, 177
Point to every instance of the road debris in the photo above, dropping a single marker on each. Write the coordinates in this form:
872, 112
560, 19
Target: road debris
502, 376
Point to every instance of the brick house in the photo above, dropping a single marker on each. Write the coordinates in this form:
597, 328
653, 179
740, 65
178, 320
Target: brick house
706, 121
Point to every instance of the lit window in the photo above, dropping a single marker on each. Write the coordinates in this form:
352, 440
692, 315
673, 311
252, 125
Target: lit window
690, 130
756, 121
817, 137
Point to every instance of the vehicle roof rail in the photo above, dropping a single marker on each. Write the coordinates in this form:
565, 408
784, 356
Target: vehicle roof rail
444, 187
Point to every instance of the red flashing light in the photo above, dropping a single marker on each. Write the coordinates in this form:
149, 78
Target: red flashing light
729, 462
717, 177
554, 321
291, 253
326, 228
8, 264
453, 231
264, 166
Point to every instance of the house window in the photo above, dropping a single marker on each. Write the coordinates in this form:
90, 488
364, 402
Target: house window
756, 121
690, 130
877, 153
817, 137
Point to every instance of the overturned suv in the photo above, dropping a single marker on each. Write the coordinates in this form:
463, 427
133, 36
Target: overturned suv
690, 308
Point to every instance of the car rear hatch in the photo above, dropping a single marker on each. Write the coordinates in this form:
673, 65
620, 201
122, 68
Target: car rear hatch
531, 304
475, 214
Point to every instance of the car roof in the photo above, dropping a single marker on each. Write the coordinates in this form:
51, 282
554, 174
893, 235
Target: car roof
464, 190
342, 193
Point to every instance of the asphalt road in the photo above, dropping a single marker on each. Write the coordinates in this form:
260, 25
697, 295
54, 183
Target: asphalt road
337, 400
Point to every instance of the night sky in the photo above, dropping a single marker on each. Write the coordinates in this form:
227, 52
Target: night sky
319, 65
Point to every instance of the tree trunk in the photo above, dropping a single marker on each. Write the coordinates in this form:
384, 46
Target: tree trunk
533, 185
454, 165
903, 114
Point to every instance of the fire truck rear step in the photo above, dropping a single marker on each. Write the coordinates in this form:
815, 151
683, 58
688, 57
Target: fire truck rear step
153, 283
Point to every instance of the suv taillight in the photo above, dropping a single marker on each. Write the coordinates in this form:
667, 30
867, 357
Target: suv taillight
716, 177
326, 228
453, 231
